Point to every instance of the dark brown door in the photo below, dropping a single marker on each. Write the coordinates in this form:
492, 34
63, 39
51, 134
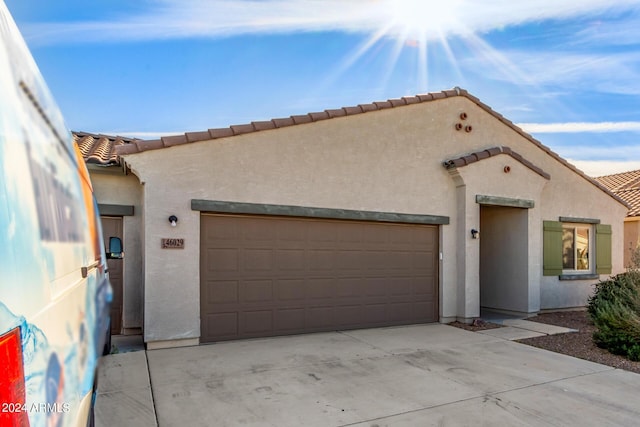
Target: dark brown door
265, 276
112, 227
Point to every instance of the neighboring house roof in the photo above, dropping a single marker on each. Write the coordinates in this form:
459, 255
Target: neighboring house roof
625, 185
100, 149
137, 146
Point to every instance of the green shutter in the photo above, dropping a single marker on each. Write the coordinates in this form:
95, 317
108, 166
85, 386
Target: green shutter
603, 249
552, 248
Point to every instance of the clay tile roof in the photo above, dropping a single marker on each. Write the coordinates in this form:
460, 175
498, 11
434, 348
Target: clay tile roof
305, 118
240, 129
353, 110
279, 123
336, 113
321, 115
169, 141
490, 152
264, 125
625, 185
220, 133
100, 149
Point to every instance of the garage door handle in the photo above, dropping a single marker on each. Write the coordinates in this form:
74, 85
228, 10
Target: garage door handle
85, 270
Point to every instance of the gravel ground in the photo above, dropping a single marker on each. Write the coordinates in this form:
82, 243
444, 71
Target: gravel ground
577, 344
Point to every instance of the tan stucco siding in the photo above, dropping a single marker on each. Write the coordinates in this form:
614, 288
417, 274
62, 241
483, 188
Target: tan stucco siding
390, 161
383, 161
567, 194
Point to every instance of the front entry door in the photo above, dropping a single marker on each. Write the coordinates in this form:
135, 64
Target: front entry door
112, 227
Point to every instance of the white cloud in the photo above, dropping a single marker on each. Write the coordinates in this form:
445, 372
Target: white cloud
417, 19
596, 168
579, 127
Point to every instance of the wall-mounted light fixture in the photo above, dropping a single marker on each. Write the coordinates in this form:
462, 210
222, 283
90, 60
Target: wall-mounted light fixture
475, 234
173, 220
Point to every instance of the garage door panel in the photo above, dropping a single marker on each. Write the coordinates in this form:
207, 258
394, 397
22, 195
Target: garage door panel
256, 291
223, 325
377, 286
290, 259
264, 276
290, 290
348, 287
221, 230
290, 319
221, 292
424, 310
423, 261
256, 322
320, 317
320, 259
401, 286
292, 233
320, 288
255, 235
401, 312
257, 260
349, 315
375, 313
220, 260
421, 287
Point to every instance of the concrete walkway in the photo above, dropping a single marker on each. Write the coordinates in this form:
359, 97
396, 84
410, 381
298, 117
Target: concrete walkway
405, 376
518, 329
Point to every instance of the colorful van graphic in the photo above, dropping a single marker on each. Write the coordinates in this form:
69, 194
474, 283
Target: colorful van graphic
54, 289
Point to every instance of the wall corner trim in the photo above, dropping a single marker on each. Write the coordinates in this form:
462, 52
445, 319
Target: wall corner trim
217, 206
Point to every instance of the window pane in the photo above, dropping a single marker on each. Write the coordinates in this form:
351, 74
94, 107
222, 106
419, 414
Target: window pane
568, 249
582, 248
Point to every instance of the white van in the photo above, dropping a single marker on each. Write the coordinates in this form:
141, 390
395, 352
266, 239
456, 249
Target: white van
54, 289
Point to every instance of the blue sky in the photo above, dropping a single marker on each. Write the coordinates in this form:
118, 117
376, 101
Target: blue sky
567, 72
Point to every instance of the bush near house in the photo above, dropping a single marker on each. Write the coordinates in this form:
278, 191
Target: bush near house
614, 309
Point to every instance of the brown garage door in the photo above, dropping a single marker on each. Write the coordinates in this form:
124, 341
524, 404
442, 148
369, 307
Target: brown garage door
265, 276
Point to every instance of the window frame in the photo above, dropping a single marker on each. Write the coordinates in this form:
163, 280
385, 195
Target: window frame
600, 258
591, 248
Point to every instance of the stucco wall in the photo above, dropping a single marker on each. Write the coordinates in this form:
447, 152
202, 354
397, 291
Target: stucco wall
119, 189
566, 194
389, 160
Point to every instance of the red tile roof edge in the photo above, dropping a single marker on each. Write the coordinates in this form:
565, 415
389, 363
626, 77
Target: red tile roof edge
490, 152
621, 181
625, 185
189, 137
100, 149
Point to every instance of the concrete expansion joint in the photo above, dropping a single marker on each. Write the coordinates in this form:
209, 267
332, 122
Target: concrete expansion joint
388, 353
153, 401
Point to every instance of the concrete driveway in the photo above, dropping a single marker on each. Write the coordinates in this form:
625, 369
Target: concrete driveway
403, 376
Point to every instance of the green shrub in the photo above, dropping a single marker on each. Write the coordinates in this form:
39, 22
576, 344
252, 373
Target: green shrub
614, 309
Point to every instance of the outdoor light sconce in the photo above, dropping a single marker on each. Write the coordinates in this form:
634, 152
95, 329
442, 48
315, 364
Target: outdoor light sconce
475, 234
173, 220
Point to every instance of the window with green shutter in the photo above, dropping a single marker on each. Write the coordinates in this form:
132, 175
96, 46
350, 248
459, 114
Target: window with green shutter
577, 249
603, 249
552, 248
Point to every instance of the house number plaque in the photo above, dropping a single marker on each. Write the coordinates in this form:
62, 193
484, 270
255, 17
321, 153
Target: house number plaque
172, 244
